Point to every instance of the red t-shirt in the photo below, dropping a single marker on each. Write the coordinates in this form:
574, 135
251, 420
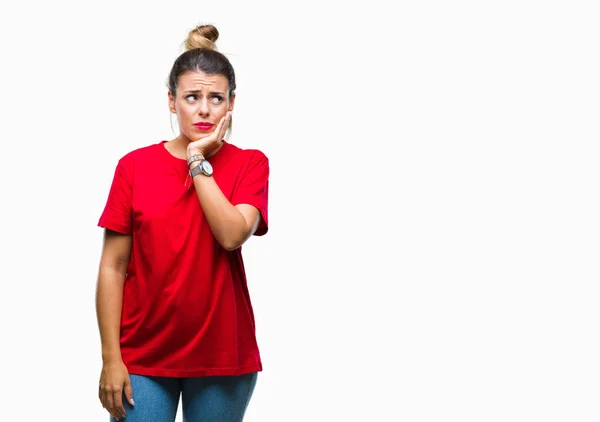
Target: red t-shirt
186, 306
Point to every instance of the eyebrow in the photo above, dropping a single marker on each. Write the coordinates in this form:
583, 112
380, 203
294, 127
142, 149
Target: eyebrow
196, 91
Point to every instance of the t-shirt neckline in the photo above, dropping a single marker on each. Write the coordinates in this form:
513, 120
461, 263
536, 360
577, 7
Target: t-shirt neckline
211, 159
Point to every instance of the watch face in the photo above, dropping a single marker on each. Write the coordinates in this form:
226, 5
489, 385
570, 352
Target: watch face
206, 167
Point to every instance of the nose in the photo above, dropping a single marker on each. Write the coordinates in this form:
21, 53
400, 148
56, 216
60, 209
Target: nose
203, 107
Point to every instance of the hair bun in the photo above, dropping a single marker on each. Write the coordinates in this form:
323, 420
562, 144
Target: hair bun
203, 36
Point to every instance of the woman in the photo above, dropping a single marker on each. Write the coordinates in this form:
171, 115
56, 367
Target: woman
173, 307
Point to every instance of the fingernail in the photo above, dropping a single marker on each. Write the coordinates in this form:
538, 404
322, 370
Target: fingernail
132, 401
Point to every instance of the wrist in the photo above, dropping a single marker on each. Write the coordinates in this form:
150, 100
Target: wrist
194, 164
195, 151
112, 356
194, 160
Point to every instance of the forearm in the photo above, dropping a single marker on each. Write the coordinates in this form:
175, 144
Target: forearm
226, 222
109, 304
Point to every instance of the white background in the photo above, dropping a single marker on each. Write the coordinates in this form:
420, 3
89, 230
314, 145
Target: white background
434, 212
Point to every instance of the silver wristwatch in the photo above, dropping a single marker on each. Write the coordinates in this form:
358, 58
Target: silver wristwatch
203, 168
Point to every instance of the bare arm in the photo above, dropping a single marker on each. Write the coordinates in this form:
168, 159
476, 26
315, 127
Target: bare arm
231, 225
109, 293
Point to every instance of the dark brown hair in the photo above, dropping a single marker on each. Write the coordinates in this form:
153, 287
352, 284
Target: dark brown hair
202, 55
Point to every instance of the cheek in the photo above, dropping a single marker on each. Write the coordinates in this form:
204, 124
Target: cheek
184, 111
220, 109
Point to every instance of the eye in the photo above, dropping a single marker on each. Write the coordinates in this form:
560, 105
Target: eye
192, 96
216, 99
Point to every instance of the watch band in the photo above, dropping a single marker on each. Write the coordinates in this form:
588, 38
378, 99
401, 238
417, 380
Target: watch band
196, 171
199, 169
193, 158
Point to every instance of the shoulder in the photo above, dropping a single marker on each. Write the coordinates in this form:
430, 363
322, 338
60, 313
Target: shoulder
257, 155
139, 154
249, 155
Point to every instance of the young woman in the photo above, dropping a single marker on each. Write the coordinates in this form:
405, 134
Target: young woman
173, 307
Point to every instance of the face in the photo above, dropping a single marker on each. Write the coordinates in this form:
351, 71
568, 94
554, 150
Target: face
200, 103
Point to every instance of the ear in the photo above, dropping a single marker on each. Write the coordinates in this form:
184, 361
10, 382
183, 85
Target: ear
231, 102
172, 103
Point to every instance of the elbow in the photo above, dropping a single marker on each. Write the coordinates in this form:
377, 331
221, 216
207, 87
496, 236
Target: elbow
234, 242
233, 239
230, 245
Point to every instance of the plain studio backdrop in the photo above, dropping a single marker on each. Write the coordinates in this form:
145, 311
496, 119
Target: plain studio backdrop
434, 212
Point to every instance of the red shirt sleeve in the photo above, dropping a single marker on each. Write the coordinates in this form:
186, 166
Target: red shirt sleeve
253, 189
117, 213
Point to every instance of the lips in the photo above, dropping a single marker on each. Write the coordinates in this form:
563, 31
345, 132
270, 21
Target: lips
203, 125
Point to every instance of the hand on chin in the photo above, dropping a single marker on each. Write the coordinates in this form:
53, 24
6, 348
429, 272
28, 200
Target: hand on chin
205, 144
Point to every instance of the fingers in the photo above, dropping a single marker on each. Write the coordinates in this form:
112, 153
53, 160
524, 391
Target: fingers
112, 401
118, 403
219, 130
223, 126
102, 396
108, 401
129, 392
226, 123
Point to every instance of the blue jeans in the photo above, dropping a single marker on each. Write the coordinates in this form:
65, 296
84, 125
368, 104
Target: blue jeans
204, 399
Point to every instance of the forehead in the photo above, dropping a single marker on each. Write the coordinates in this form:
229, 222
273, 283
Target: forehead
200, 80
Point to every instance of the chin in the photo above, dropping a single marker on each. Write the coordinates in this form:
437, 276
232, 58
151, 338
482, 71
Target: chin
194, 136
